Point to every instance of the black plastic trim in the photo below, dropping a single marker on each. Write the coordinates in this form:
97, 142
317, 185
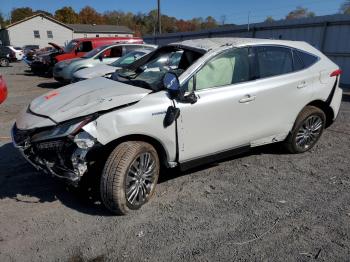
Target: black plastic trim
213, 157
331, 94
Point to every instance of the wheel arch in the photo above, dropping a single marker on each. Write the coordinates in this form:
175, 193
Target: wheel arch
326, 108
159, 147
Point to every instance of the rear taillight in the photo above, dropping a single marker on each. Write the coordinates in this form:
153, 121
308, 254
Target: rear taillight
337, 72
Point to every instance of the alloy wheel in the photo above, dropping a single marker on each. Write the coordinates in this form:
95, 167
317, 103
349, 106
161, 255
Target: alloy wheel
140, 179
309, 132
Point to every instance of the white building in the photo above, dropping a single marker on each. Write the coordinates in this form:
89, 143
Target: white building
40, 29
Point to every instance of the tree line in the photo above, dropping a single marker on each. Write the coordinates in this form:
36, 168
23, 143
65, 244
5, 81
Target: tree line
142, 23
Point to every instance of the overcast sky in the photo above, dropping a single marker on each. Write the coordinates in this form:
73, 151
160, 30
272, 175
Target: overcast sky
234, 10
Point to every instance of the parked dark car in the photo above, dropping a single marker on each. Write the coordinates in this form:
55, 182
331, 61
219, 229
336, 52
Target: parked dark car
29, 52
6, 56
30, 48
43, 62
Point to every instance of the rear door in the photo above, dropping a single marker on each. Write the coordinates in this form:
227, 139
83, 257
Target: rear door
282, 89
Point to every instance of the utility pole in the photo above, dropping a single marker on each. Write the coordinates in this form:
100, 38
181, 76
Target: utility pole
159, 23
248, 21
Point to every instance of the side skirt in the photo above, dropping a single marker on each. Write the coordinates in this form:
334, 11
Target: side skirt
213, 157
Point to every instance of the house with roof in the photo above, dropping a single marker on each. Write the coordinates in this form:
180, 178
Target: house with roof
41, 29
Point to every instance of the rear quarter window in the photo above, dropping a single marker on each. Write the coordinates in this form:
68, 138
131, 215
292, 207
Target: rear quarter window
306, 58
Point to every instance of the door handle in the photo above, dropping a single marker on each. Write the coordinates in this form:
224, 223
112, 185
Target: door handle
247, 99
301, 85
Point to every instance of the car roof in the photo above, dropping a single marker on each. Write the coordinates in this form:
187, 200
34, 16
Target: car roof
140, 46
208, 44
106, 38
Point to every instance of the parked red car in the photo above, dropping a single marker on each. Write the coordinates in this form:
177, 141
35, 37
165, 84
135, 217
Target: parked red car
3, 89
78, 47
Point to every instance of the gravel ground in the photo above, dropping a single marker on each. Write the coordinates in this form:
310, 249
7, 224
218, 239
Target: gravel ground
263, 206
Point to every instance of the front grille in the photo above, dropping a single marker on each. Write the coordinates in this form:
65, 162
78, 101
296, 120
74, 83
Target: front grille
50, 145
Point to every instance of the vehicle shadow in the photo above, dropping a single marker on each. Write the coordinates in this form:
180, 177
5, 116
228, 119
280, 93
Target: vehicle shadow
28, 72
271, 149
50, 85
346, 97
21, 182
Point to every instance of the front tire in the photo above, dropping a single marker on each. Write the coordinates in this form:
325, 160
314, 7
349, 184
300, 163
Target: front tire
4, 62
307, 130
129, 177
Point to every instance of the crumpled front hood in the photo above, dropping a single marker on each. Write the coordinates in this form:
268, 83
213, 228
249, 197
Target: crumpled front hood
99, 70
86, 97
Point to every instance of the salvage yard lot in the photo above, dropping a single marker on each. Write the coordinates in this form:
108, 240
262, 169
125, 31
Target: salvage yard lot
264, 205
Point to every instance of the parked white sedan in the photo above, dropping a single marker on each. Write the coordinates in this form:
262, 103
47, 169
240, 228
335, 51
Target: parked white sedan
221, 97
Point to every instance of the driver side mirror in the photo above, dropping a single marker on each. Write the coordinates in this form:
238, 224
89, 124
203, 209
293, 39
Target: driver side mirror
100, 57
172, 84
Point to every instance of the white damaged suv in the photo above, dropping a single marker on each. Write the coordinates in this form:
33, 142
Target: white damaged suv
217, 97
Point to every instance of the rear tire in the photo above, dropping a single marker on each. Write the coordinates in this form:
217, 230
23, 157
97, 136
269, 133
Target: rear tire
129, 177
4, 62
307, 130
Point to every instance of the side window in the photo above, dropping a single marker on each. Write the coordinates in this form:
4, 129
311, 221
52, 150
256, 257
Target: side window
130, 48
273, 61
49, 34
306, 58
85, 47
116, 51
228, 68
166, 61
298, 64
36, 34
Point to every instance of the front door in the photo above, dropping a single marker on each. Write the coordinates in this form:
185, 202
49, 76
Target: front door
223, 117
111, 55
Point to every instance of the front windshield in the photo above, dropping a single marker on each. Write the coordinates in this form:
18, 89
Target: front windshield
128, 59
150, 74
94, 52
70, 47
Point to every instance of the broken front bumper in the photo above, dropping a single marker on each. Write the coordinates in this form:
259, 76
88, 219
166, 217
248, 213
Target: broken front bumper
60, 157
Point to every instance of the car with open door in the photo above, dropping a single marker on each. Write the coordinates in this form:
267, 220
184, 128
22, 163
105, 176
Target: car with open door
183, 105
109, 69
80, 46
43, 62
103, 55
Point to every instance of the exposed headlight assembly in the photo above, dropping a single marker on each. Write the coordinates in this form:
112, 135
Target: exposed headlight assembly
70, 128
